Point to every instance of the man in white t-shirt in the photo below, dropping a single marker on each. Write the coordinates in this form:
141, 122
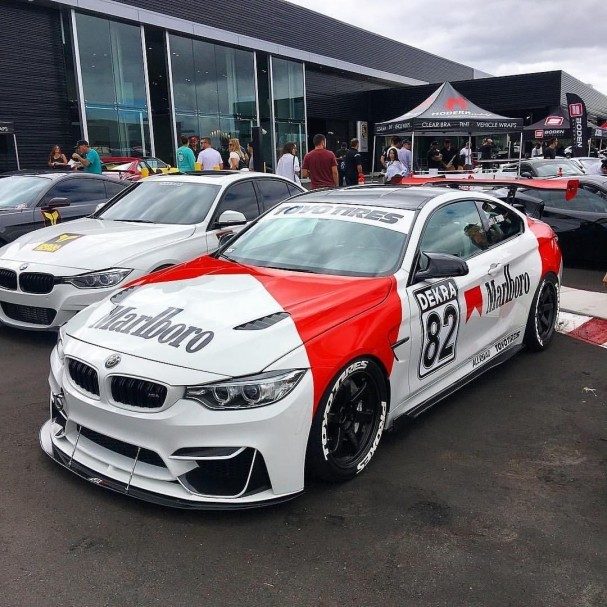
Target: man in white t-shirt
466, 154
209, 158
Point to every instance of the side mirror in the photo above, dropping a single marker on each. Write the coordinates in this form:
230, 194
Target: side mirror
230, 218
53, 203
526, 175
439, 265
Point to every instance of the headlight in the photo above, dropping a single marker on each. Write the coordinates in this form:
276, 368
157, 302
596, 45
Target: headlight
98, 280
246, 392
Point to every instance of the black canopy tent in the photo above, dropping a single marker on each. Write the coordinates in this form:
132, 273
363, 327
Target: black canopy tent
557, 124
447, 112
8, 128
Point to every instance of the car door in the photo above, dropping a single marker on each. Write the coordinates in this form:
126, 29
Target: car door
240, 196
451, 326
271, 192
84, 194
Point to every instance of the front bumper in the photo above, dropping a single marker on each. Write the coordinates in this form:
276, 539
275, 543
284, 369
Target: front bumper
48, 311
181, 455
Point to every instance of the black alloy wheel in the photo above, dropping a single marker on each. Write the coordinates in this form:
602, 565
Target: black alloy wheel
349, 422
541, 324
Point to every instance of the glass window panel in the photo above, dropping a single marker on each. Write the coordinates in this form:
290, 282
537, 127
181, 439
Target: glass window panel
235, 127
127, 60
235, 81
288, 89
187, 124
206, 77
78, 190
183, 71
290, 131
103, 130
239, 197
133, 132
272, 192
96, 59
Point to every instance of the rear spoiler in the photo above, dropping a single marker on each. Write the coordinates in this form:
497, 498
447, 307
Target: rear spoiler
570, 187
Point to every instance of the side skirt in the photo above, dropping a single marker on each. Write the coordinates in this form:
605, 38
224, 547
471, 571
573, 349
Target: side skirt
460, 383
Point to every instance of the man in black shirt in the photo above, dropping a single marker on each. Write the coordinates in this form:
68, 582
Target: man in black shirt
450, 156
435, 158
486, 149
353, 164
550, 149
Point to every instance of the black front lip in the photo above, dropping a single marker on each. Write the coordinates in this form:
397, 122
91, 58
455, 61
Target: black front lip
149, 496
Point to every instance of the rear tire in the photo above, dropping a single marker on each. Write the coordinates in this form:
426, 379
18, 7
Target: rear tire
543, 315
349, 423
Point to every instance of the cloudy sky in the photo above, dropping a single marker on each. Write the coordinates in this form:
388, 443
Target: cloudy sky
496, 36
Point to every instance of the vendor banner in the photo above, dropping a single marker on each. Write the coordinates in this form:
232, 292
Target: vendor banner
579, 125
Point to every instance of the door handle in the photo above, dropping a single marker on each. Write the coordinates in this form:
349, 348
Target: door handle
494, 269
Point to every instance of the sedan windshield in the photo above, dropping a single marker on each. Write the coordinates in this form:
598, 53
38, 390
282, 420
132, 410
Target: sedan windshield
172, 202
19, 190
319, 245
550, 168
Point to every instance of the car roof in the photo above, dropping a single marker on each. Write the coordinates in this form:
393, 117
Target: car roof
54, 174
396, 197
216, 177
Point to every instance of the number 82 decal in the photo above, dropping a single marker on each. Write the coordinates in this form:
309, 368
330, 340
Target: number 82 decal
439, 314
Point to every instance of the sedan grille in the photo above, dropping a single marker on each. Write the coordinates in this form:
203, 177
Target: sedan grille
83, 376
29, 314
138, 392
35, 282
8, 279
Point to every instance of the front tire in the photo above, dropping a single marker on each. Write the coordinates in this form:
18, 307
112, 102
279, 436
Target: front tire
543, 315
349, 423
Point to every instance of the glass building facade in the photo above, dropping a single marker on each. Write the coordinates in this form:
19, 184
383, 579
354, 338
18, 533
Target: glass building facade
139, 86
113, 84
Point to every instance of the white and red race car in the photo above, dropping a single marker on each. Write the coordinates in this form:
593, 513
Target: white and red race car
220, 382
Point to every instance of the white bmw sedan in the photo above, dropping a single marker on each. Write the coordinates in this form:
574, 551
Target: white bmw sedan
49, 275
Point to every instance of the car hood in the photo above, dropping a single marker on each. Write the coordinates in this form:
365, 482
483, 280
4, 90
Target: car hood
201, 315
91, 244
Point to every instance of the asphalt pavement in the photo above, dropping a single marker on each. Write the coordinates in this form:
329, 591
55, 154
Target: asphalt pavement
497, 497
584, 278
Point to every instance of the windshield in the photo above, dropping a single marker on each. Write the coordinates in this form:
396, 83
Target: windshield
172, 202
320, 245
551, 168
19, 190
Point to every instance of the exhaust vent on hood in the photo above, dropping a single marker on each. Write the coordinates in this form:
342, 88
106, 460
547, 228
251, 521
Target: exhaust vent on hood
262, 323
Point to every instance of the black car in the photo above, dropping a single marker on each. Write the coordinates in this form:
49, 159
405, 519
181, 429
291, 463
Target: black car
580, 223
29, 201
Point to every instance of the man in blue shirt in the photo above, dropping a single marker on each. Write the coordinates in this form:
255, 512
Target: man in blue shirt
406, 157
185, 157
87, 157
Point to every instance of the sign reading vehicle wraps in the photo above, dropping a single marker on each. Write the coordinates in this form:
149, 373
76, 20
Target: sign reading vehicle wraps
162, 327
501, 293
340, 210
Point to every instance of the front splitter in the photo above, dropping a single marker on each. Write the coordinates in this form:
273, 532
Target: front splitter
106, 482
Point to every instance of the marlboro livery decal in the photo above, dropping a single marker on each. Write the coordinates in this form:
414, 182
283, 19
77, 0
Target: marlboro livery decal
440, 317
502, 292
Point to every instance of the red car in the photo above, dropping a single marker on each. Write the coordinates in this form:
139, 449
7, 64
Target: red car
129, 167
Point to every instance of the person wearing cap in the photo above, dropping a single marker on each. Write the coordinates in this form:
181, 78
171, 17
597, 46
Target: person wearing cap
87, 157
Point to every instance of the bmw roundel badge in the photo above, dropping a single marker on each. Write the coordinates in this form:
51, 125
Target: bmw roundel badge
23, 266
112, 361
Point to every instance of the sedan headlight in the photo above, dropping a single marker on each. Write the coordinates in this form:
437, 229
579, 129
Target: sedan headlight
246, 392
98, 280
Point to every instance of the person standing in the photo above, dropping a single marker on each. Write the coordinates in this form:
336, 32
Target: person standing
466, 156
186, 160
354, 167
57, 159
320, 165
341, 162
288, 164
406, 157
550, 150
450, 156
537, 151
250, 153
435, 158
87, 157
209, 158
237, 159
395, 170
396, 143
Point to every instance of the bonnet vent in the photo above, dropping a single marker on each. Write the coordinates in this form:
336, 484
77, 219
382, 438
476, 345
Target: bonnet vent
262, 323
